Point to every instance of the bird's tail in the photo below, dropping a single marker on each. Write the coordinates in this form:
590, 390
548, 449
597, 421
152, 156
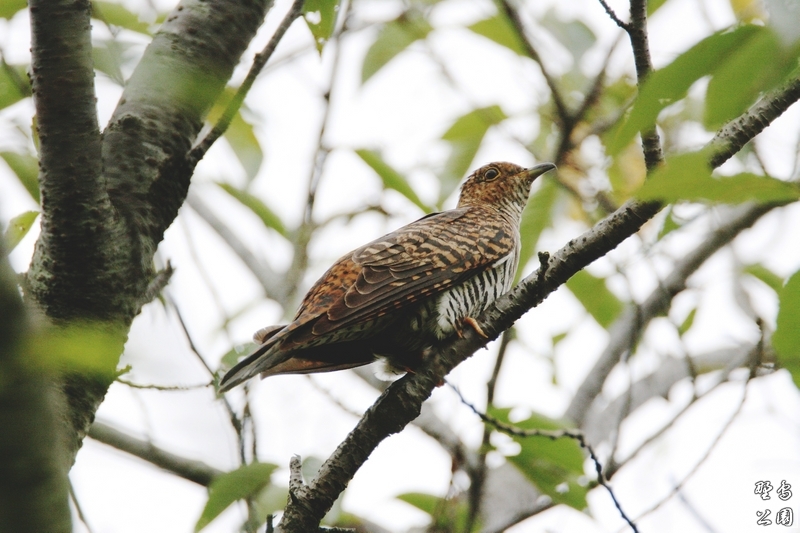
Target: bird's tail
245, 369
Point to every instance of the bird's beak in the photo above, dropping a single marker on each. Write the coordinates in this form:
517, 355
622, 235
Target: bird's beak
537, 170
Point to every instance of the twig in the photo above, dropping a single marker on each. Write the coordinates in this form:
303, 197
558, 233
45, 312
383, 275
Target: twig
516, 21
158, 283
234, 419
306, 229
553, 435
200, 149
195, 471
478, 474
78, 508
164, 388
613, 16
627, 328
702, 460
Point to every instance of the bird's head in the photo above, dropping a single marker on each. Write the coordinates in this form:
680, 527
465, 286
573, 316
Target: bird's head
505, 186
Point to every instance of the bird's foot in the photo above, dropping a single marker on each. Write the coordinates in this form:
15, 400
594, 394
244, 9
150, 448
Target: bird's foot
474, 325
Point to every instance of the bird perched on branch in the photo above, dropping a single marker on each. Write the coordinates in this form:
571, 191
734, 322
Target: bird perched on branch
404, 293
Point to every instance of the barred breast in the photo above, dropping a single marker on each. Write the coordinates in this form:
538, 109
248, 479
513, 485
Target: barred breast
474, 295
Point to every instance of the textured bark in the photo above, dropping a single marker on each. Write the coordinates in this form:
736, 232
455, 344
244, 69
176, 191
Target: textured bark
107, 200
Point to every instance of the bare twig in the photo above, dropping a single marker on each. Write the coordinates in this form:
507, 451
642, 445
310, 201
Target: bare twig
200, 149
79, 508
702, 460
164, 388
613, 16
627, 328
195, 471
553, 435
478, 474
516, 20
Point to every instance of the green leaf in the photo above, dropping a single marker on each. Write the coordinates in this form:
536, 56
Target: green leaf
107, 57
26, 167
14, 84
670, 224
537, 216
244, 482
593, 294
759, 271
393, 38
555, 466
653, 5
18, 227
574, 35
688, 177
117, 15
465, 137
392, 179
500, 30
687, 323
671, 83
9, 8
267, 216
88, 348
447, 514
426, 503
320, 16
244, 143
786, 339
739, 80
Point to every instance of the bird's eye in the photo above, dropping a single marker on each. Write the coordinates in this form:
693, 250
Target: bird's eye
491, 174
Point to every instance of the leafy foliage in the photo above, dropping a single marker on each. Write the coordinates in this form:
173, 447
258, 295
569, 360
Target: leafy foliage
787, 335
593, 294
259, 208
392, 179
465, 137
244, 482
393, 38
555, 466
688, 177
320, 16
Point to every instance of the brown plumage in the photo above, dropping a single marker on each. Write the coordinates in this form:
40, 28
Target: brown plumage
403, 293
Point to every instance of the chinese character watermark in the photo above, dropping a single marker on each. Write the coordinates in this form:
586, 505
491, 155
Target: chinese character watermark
785, 516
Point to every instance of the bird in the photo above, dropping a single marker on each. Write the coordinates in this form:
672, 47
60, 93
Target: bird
401, 295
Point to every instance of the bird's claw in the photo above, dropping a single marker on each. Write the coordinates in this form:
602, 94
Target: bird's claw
474, 325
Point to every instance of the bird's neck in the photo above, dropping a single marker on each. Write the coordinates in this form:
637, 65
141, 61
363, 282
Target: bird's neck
510, 207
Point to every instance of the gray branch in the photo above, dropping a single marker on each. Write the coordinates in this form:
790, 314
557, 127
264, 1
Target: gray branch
625, 331
195, 471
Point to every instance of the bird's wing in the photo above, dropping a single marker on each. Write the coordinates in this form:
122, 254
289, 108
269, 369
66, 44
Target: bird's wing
417, 261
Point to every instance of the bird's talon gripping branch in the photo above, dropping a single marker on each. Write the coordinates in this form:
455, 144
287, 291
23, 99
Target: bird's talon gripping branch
474, 325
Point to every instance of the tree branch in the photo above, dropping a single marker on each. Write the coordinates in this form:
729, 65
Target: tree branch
625, 331
77, 218
93, 260
195, 471
197, 153
513, 16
